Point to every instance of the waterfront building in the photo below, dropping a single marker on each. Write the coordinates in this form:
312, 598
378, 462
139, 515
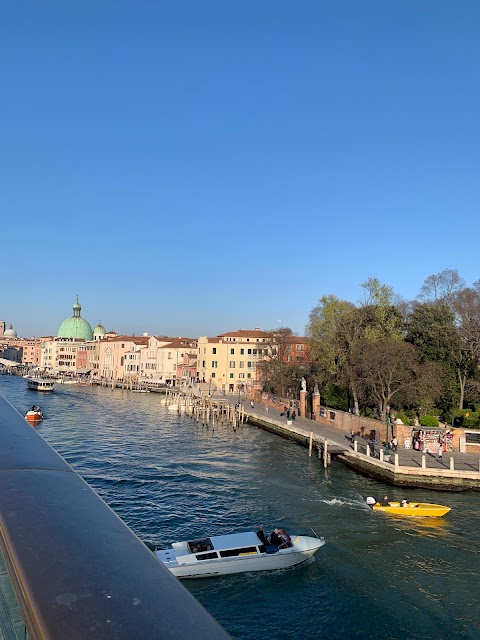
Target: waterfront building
229, 360
31, 351
10, 352
59, 355
166, 359
296, 350
112, 353
187, 368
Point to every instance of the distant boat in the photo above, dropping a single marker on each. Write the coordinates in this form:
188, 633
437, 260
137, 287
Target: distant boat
40, 384
34, 415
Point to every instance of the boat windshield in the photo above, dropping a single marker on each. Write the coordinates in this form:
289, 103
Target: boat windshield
197, 546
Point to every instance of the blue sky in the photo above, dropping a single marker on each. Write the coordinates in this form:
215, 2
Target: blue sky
190, 168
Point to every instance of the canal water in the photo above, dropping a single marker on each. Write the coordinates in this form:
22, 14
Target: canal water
169, 478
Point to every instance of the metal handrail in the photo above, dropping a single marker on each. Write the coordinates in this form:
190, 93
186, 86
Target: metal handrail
77, 570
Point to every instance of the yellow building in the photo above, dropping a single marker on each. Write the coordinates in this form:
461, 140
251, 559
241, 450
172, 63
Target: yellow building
229, 360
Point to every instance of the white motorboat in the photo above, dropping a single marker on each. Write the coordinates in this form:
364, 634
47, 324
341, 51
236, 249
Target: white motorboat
40, 384
234, 553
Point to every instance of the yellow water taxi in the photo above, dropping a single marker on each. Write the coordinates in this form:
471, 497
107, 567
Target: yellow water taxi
405, 508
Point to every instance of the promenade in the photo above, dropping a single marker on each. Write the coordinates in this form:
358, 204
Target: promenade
455, 471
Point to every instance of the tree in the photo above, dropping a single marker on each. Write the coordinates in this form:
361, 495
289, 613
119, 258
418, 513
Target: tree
279, 375
391, 370
338, 330
431, 329
335, 328
382, 319
441, 287
467, 308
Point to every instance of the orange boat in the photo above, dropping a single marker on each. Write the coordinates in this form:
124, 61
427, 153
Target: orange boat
34, 415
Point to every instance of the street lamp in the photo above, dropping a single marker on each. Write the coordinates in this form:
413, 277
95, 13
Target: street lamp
387, 421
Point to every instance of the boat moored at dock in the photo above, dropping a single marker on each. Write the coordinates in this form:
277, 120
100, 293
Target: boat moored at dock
234, 553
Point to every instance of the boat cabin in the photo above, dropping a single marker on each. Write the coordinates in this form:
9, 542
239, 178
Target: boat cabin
40, 384
228, 546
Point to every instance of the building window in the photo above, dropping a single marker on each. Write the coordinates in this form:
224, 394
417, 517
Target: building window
242, 375
169, 355
231, 375
232, 352
213, 374
242, 352
214, 350
249, 352
300, 347
231, 364
214, 364
249, 375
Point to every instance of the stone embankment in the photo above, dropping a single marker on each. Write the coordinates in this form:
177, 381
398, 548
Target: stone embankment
454, 472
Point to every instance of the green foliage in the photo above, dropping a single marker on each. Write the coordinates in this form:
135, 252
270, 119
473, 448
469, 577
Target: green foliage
335, 397
472, 422
467, 418
431, 329
429, 421
403, 417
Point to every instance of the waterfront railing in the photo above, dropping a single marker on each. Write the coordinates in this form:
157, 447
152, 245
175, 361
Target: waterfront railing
76, 569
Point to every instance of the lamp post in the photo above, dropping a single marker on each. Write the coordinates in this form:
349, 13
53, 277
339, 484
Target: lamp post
387, 421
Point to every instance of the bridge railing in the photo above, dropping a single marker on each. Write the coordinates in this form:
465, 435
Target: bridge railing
76, 568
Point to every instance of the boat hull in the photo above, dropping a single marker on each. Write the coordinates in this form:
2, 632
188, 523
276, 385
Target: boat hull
414, 509
33, 417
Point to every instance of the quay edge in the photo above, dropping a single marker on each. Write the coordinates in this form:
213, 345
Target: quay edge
434, 479
428, 478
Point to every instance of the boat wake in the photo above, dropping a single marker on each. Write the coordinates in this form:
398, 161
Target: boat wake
343, 502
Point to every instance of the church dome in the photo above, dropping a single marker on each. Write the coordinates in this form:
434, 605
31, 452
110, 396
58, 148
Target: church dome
10, 332
76, 326
99, 332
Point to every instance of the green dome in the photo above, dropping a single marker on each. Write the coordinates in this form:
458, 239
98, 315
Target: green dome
76, 326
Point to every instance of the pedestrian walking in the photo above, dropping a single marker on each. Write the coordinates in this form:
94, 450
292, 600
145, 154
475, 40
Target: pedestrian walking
440, 452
